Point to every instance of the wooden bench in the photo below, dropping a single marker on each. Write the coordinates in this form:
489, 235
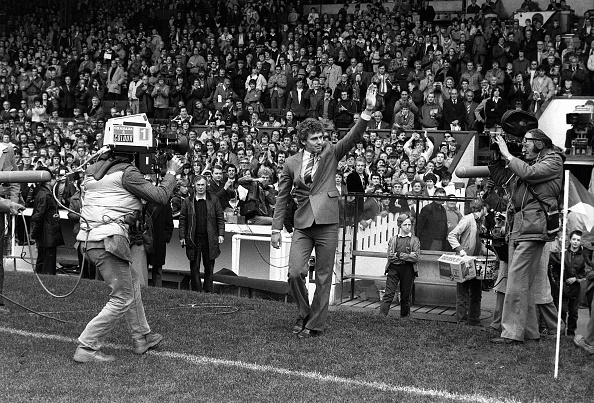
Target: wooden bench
182, 279
428, 289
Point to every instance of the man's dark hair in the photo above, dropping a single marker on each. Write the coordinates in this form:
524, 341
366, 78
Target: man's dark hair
307, 127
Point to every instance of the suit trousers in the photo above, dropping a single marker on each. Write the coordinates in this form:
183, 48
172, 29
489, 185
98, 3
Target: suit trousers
201, 245
468, 301
324, 238
46, 260
519, 320
125, 301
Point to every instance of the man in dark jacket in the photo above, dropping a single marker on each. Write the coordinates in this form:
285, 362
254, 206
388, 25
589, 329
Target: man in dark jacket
145, 100
45, 227
201, 230
454, 112
433, 224
161, 221
527, 228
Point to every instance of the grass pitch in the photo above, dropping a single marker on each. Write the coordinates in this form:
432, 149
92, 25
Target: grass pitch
220, 348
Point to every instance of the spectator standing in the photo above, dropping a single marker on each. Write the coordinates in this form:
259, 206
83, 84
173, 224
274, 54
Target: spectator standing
201, 230
298, 101
115, 80
45, 227
277, 83
432, 226
160, 96
133, 101
160, 219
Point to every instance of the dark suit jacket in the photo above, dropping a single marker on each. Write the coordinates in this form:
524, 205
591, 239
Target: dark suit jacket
319, 201
331, 109
300, 109
354, 183
373, 125
432, 225
453, 112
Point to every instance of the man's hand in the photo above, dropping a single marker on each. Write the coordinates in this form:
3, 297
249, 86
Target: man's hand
15, 208
502, 147
174, 164
370, 97
275, 240
221, 239
570, 280
462, 253
182, 242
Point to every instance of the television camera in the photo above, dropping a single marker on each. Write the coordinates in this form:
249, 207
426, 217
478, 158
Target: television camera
514, 124
579, 140
134, 135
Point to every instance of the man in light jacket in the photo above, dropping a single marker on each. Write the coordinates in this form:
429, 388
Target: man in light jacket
464, 239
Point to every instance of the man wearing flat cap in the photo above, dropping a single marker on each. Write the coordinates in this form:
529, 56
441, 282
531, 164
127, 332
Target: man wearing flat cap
533, 186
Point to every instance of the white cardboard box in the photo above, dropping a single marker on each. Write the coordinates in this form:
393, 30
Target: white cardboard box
457, 268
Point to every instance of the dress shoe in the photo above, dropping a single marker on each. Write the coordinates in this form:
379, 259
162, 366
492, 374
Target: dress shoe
580, 341
83, 354
148, 341
307, 333
4, 310
505, 340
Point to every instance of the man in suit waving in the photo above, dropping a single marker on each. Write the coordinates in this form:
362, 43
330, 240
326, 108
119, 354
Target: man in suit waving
312, 173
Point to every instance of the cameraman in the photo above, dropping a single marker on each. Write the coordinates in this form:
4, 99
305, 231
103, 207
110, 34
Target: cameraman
111, 204
526, 228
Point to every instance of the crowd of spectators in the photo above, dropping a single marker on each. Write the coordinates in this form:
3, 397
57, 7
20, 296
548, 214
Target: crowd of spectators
237, 66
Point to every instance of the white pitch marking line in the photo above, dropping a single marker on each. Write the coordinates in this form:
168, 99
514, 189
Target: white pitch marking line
316, 376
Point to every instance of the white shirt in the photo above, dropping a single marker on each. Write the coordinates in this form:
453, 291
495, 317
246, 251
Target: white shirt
306, 158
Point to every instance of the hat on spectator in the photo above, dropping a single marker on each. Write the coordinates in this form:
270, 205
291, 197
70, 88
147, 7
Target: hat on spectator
294, 63
184, 182
207, 172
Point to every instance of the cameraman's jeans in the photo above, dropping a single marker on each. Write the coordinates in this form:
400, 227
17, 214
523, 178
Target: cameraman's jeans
124, 300
519, 320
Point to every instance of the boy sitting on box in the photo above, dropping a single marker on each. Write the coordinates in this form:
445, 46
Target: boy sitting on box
464, 239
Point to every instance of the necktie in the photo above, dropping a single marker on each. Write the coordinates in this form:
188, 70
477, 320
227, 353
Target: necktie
308, 169
454, 101
468, 107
